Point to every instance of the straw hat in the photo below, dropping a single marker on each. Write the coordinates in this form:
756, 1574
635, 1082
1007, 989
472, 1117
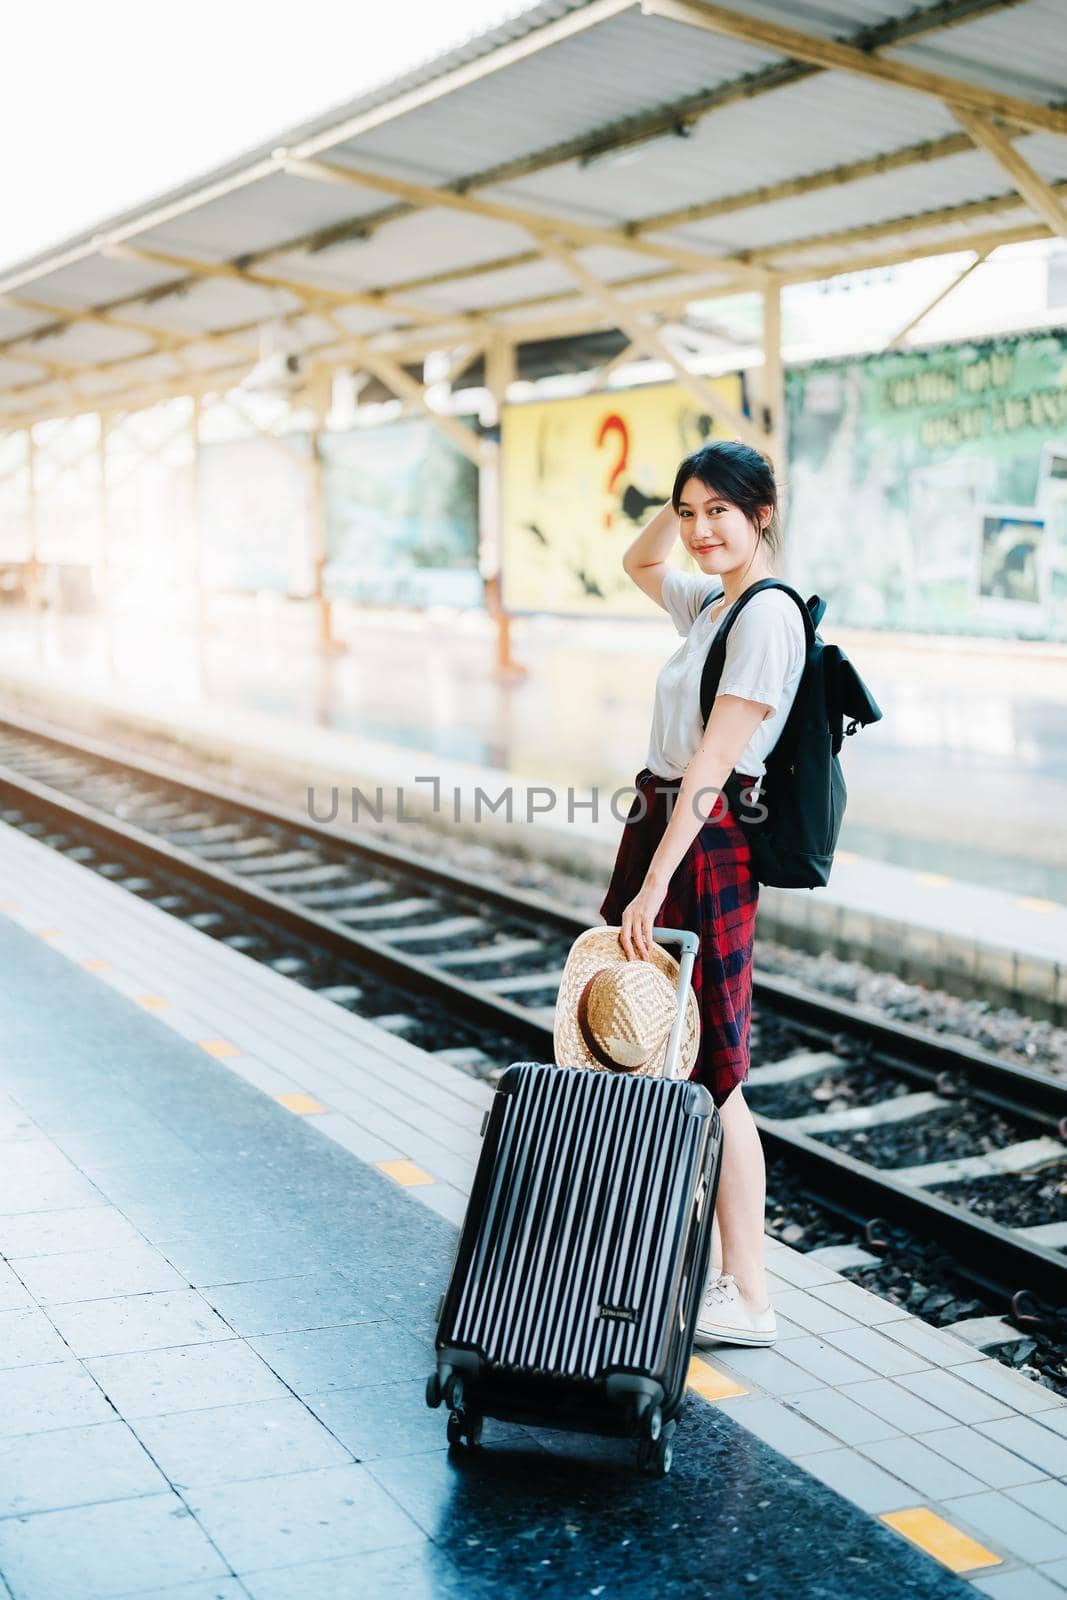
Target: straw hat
616, 1015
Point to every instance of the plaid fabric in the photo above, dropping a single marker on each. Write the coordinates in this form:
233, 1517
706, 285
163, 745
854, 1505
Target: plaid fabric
713, 892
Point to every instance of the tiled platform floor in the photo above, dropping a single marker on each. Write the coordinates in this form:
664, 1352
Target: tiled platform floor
215, 1324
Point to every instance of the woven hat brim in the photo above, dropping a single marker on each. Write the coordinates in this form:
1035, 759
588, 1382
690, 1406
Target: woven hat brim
592, 950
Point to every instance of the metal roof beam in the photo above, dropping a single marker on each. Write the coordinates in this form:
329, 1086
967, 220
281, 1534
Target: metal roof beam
1039, 195
65, 316
972, 210
647, 338
835, 56
392, 374
920, 316
895, 256
538, 224
622, 358
791, 188
312, 296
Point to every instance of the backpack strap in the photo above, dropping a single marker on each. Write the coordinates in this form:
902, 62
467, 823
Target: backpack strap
716, 657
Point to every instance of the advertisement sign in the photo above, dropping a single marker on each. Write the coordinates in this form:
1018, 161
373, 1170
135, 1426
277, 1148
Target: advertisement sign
580, 478
401, 504
256, 508
928, 488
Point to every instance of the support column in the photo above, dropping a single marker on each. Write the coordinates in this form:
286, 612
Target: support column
499, 372
773, 386
319, 549
103, 545
197, 510
102, 575
33, 566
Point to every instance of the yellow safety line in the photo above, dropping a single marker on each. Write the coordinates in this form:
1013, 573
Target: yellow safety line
951, 1546
95, 965
1029, 902
405, 1172
49, 933
302, 1104
712, 1384
936, 880
152, 1002
219, 1048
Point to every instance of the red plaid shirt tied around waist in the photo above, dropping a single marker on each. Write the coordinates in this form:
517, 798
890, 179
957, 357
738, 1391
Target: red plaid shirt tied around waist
713, 892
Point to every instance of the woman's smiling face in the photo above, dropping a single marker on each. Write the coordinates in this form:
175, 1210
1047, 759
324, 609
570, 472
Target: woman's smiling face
714, 530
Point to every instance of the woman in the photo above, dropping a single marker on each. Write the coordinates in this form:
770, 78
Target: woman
683, 861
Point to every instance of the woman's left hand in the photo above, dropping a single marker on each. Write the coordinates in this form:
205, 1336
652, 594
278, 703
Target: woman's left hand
636, 923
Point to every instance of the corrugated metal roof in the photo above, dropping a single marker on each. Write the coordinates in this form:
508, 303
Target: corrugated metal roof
597, 79
745, 146
513, 118
1021, 50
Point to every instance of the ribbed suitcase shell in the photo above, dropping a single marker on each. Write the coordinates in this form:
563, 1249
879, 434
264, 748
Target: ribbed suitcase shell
582, 1258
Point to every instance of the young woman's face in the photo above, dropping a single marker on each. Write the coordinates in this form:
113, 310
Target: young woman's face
717, 532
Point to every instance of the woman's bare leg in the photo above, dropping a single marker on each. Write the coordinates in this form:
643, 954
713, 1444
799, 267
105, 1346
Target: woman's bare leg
741, 1202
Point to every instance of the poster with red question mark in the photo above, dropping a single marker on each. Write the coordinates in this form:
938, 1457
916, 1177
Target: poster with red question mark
580, 479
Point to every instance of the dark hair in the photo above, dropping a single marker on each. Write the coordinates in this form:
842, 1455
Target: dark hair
739, 473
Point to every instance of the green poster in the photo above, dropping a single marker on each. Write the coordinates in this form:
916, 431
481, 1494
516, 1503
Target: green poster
927, 490
401, 516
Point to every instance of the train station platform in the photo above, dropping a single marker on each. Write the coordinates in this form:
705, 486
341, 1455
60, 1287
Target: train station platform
952, 869
227, 1209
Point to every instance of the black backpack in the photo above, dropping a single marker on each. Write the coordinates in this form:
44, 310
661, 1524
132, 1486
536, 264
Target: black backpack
792, 828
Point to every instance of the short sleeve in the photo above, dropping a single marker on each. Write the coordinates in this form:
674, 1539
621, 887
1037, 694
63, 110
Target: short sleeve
683, 593
764, 648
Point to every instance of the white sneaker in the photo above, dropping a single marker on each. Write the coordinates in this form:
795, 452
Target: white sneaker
725, 1319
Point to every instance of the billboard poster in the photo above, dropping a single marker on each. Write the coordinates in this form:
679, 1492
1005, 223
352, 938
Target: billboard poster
256, 508
580, 478
401, 504
927, 489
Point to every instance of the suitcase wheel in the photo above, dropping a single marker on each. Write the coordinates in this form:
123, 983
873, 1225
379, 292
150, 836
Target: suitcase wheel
654, 1456
453, 1390
433, 1391
465, 1425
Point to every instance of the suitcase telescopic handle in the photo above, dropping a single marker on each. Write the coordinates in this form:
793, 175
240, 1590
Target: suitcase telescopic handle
690, 944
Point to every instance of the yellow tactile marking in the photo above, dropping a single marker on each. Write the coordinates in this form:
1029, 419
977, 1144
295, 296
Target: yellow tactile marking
405, 1172
49, 933
302, 1104
219, 1048
935, 880
152, 1002
96, 965
1029, 902
712, 1384
951, 1546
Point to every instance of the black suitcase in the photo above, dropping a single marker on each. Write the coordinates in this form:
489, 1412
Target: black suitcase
581, 1263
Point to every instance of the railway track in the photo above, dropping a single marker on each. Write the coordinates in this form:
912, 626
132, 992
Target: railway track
837, 1089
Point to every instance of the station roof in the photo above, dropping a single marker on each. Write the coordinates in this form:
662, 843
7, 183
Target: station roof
587, 165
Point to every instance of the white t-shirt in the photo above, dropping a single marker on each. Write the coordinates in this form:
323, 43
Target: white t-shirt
765, 653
